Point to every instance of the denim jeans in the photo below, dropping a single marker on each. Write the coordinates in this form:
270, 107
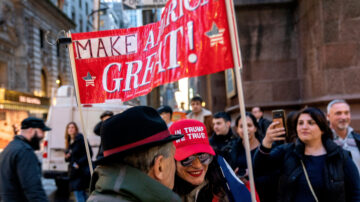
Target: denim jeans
80, 195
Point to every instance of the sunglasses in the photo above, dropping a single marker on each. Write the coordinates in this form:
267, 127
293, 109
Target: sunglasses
204, 158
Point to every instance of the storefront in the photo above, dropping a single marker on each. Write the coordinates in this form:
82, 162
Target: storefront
14, 107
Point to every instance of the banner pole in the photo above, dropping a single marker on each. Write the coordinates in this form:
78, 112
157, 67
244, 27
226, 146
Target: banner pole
72, 62
237, 68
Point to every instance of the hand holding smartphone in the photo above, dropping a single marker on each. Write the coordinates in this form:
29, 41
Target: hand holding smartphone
279, 116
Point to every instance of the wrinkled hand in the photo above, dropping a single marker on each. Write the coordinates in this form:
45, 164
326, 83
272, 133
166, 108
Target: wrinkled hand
273, 134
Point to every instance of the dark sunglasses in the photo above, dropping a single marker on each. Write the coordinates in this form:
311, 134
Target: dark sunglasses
204, 158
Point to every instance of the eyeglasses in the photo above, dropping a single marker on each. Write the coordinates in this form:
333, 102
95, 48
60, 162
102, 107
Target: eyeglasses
204, 158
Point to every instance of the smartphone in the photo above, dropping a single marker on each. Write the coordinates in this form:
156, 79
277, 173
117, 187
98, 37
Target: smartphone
279, 116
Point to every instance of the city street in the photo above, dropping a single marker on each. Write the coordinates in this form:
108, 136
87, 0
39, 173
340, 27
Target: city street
53, 194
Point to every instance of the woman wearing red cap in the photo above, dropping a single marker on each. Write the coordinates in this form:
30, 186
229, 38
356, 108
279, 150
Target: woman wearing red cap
198, 176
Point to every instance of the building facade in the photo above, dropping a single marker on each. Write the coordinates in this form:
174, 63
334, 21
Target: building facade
29, 66
295, 54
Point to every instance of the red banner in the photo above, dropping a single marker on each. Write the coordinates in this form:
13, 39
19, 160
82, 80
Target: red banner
191, 39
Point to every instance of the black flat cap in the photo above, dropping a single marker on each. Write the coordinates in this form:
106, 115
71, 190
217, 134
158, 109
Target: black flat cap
32, 122
134, 129
165, 109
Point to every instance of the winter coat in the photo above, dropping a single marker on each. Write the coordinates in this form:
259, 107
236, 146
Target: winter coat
79, 177
20, 173
223, 144
125, 183
341, 178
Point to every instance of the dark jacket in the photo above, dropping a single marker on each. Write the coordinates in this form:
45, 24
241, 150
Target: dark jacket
125, 183
341, 178
20, 173
357, 139
97, 128
263, 125
79, 177
223, 144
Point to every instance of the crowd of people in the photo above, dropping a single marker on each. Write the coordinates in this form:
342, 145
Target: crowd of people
315, 156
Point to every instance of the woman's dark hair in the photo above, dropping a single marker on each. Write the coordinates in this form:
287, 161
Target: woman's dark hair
258, 134
319, 117
215, 186
291, 127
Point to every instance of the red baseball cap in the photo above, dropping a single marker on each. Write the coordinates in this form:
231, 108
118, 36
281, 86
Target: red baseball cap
195, 139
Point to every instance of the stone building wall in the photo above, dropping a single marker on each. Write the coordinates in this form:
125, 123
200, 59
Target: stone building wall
21, 54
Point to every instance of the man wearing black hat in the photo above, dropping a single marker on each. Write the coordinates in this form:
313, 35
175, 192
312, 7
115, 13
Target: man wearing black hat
138, 162
166, 114
20, 170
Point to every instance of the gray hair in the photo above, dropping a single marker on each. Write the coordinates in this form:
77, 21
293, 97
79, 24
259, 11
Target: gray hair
144, 159
335, 102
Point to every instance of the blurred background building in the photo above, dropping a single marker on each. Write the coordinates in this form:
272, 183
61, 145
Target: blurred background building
29, 66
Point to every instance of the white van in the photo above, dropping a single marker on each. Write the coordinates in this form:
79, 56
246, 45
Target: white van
62, 111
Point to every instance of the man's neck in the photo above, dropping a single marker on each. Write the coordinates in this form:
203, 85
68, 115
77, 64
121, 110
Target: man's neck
342, 133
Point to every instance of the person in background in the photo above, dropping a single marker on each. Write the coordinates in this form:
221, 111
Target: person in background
138, 162
201, 114
20, 169
223, 137
313, 168
75, 154
104, 116
339, 117
263, 122
166, 114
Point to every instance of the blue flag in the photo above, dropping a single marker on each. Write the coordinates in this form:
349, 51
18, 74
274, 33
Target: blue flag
236, 187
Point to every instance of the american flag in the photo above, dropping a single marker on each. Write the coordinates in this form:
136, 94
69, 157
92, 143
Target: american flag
215, 35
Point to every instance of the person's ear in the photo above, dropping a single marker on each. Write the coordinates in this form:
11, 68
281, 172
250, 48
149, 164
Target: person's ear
228, 123
157, 171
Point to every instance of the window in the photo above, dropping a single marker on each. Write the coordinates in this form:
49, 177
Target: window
3, 74
86, 8
41, 36
57, 49
81, 25
43, 83
79, 3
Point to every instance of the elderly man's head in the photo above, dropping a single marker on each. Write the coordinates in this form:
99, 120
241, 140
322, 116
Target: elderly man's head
338, 114
139, 137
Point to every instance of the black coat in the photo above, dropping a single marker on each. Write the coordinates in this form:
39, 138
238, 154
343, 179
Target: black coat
20, 173
79, 177
223, 144
341, 177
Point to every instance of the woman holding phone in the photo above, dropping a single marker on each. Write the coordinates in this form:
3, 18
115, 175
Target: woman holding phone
313, 168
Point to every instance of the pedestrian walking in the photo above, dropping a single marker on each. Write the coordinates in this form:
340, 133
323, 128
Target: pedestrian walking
313, 168
20, 169
78, 169
138, 162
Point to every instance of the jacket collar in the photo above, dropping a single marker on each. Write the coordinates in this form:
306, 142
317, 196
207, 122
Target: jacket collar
132, 184
330, 147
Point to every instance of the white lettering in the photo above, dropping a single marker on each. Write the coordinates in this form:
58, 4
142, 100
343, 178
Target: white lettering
117, 80
129, 74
